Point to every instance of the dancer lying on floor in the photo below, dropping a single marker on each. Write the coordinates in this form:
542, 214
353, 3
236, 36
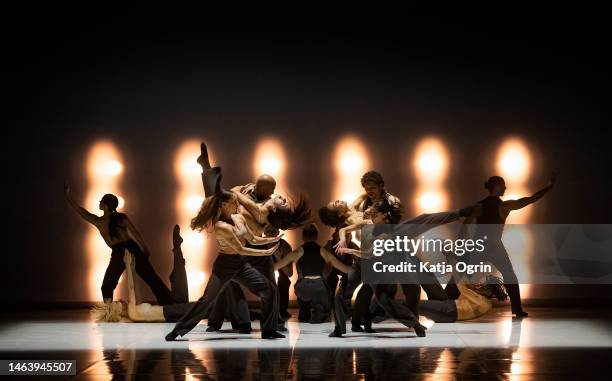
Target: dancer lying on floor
475, 299
310, 260
145, 312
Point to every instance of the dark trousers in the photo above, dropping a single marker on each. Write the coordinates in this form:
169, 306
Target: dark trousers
342, 299
498, 256
284, 282
225, 269
143, 268
316, 294
178, 288
440, 311
231, 304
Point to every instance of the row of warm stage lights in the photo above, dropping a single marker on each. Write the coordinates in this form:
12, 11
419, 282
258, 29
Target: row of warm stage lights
431, 164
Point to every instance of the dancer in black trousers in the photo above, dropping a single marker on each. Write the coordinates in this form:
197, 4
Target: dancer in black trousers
310, 260
491, 222
120, 235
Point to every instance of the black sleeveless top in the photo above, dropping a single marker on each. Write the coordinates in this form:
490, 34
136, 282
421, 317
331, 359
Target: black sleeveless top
490, 211
490, 216
311, 263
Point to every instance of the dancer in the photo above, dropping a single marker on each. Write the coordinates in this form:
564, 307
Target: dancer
310, 260
474, 300
491, 222
220, 215
120, 234
378, 213
112, 312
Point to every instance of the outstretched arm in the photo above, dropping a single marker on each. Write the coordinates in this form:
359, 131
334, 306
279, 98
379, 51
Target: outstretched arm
523, 202
225, 232
294, 256
89, 217
133, 313
251, 237
329, 257
355, 252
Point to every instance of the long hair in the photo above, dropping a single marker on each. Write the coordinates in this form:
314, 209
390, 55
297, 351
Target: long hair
291, 218
210, 211
331, 217
112, 202
106, 313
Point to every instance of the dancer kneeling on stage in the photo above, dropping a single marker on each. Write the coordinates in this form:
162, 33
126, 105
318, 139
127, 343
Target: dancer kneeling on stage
310, 260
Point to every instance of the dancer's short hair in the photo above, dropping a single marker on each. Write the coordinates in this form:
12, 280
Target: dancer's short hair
107, 312
331, 217
310, 232
492, 181
112, 202
372, 177
291, 218
492, 288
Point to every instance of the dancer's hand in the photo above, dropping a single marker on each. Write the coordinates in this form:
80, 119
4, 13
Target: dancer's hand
127, 259
343, 250
341, 244
248, 188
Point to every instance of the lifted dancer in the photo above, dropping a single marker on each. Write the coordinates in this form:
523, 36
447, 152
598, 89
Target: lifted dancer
120, 234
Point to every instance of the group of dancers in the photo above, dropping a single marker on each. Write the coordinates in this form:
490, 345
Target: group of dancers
247, 223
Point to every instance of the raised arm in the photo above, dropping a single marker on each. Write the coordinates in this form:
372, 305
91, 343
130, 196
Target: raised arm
355, 204
329, 257
133, 312
89, 217
294, 256
524, 201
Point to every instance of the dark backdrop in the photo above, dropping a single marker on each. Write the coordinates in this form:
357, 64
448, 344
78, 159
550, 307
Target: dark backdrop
148, 87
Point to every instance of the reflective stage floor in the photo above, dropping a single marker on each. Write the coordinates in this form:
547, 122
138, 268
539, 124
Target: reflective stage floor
550, 344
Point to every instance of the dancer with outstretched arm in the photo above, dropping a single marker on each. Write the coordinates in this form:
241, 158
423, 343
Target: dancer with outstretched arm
120, 235
491, 220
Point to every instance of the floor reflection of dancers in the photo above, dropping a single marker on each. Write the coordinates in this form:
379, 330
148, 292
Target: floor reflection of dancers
310, 260
232, 218
120, 235
491, 222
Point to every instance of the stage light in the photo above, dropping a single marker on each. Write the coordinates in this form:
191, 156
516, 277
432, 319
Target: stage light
431, 161
104, 169
188, 201
270, 159
430, 201
351, 161
430, 164
514, 161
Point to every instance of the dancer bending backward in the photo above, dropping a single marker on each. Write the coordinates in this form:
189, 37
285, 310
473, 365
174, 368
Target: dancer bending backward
120, 235
491, 220
223, 216
310, 260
